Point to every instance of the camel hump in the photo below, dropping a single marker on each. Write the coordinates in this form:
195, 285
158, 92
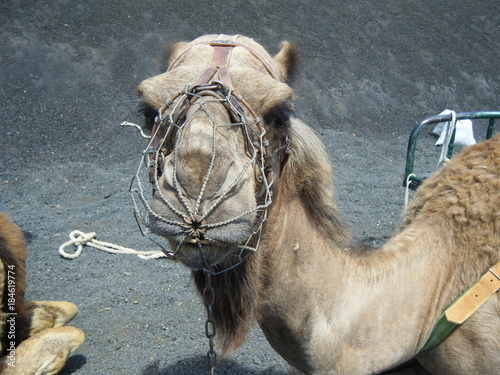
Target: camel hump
466, 188
481, 159
469, 184
463, 198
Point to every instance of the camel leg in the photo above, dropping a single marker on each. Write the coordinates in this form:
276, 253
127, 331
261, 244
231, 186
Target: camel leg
48, 314
44, 353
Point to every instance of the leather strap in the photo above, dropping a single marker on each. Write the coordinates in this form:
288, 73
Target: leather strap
218, 64
472, 300
225, 40
218, 67
464, 306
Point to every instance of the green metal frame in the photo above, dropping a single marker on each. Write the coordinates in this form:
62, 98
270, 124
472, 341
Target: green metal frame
415, 181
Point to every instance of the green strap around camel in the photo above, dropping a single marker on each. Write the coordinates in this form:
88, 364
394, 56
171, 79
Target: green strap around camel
464, 306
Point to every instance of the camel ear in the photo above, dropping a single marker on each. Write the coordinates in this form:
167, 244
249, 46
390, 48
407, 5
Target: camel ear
287, 61
174, 52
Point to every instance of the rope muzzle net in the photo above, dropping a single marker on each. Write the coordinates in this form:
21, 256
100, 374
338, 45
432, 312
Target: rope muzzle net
192, 222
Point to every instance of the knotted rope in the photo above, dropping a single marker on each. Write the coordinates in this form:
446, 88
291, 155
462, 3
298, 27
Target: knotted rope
79, 239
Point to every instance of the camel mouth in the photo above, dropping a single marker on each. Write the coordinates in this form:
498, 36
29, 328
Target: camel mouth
234, 233
209, 248
196, 241
204, 255
198, 254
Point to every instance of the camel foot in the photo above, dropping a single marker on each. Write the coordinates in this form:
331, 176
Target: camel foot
48, 314
44, 353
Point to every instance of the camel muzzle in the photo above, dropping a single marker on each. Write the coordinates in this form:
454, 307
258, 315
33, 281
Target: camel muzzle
168, 160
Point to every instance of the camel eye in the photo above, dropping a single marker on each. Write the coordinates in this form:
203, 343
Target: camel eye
279, 117
281, 122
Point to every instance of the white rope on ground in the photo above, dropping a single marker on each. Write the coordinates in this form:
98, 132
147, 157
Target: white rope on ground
79, 239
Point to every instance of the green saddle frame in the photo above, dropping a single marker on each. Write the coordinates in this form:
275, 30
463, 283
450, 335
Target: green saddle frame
413, 181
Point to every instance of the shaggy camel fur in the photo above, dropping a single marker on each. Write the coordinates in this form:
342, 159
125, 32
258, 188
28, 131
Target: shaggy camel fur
34, 339
327, 305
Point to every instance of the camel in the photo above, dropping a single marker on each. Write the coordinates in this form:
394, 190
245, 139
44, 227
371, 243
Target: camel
34, 337
243, 191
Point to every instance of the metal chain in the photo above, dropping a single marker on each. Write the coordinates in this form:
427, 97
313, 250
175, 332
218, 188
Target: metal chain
208, 301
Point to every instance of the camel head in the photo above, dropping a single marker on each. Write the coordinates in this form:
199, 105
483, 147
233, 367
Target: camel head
219, 119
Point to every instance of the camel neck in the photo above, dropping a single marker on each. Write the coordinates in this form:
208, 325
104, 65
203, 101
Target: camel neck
338, 294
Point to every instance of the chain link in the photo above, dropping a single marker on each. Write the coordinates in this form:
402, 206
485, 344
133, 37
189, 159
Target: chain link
208, 301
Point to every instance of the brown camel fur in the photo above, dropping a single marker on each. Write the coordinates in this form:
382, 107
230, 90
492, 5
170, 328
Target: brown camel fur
34, 339
327, 305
